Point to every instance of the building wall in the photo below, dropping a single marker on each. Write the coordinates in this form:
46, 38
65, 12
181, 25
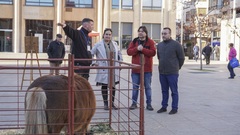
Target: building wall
227, 37
102, 19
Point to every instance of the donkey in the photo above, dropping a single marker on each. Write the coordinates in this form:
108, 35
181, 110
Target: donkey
46, 105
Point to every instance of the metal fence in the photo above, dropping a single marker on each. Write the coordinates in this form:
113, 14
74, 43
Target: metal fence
17, 74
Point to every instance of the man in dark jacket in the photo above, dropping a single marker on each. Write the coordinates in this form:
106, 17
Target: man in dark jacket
207, 51
56, 49
81, 45
171, 58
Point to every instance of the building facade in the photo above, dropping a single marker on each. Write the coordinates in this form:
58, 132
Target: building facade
219, 23
21, 18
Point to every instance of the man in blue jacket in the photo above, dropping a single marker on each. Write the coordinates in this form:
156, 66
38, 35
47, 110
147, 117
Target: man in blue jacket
171, 58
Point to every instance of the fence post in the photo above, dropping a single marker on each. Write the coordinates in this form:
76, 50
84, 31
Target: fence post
141, 123
71, 94
110, 85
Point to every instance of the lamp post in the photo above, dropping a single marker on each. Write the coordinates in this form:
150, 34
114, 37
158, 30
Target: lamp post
200, 35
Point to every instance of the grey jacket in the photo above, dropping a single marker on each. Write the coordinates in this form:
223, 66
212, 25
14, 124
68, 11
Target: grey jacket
100, 52
170, 56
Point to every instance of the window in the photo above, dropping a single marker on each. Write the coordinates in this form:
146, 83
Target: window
154, 31
44, 27
152, 4
126, 35
47, 3
202, 11
126, 4
6, 2
79, 3
5, 35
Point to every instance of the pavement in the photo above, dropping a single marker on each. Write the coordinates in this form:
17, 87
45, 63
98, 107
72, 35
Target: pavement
209, 102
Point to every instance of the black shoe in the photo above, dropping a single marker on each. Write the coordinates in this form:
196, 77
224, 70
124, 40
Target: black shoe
133, 106
114, 107
106, 107
173, 111
230, 77
162, 110
149, 107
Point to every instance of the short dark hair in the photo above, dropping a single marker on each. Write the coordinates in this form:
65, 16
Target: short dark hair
59, 35
144, 28
86, 20
105, 30
167, 28
231, 44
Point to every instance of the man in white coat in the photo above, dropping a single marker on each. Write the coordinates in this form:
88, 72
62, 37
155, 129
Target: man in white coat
102, 50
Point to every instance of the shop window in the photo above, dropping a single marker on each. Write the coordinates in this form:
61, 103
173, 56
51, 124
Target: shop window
6, 35
44, 27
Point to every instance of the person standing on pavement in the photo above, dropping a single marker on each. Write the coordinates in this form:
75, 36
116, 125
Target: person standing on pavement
102, 50
207, 51
217, 52
142, 45
81, 44
232, 54
196, 52
56, 49
171, 58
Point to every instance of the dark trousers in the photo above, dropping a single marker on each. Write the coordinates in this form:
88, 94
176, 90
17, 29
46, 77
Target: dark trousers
169, 81
207, 59
230, 69
82, 72
105, 94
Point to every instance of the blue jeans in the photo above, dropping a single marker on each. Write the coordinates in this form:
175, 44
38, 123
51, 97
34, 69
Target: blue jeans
230, 69
147, 86
169, 81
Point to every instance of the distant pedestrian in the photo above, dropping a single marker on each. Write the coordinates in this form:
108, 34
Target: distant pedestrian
56, 49
217, 52
196, 51
142, 45
171, 58
207, 51
232, 54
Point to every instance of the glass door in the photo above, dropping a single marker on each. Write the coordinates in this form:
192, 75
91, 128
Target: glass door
6, 40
